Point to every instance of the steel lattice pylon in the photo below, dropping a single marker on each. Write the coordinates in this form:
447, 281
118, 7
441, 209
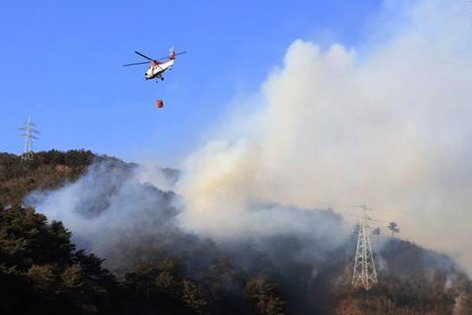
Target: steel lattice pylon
364, 274
29, 133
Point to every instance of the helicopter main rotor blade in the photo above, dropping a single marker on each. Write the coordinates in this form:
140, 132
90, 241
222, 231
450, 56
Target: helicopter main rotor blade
136, 63
144, 56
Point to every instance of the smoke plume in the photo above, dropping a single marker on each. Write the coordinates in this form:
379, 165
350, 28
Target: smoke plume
385, 124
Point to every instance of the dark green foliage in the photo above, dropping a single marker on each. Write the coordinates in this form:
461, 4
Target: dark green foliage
161, 286
26, 239
40, 269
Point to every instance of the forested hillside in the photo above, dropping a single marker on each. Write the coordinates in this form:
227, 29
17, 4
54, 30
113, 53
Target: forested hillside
166, 270
48, 170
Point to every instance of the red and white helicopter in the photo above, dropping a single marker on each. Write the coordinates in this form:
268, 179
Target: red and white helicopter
157, 67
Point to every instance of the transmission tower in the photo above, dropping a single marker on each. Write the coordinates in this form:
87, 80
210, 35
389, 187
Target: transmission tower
29, 132
364, 274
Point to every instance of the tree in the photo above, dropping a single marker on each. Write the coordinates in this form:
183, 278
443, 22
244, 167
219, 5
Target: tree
264, 297
393, 227
42, 276
39, 263
193, 297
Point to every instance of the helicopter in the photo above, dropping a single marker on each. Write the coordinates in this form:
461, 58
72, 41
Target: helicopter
157, 67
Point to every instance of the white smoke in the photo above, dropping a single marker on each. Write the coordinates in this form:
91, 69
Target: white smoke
111, 205
384, 124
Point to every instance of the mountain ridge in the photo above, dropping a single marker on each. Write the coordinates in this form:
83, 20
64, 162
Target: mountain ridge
176, 270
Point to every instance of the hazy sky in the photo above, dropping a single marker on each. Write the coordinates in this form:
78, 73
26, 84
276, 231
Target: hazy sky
61, 63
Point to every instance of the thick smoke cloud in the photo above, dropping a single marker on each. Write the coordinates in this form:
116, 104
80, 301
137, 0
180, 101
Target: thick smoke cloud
384, 124
126, 214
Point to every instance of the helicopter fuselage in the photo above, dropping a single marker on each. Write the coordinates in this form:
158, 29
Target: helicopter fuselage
156, 69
